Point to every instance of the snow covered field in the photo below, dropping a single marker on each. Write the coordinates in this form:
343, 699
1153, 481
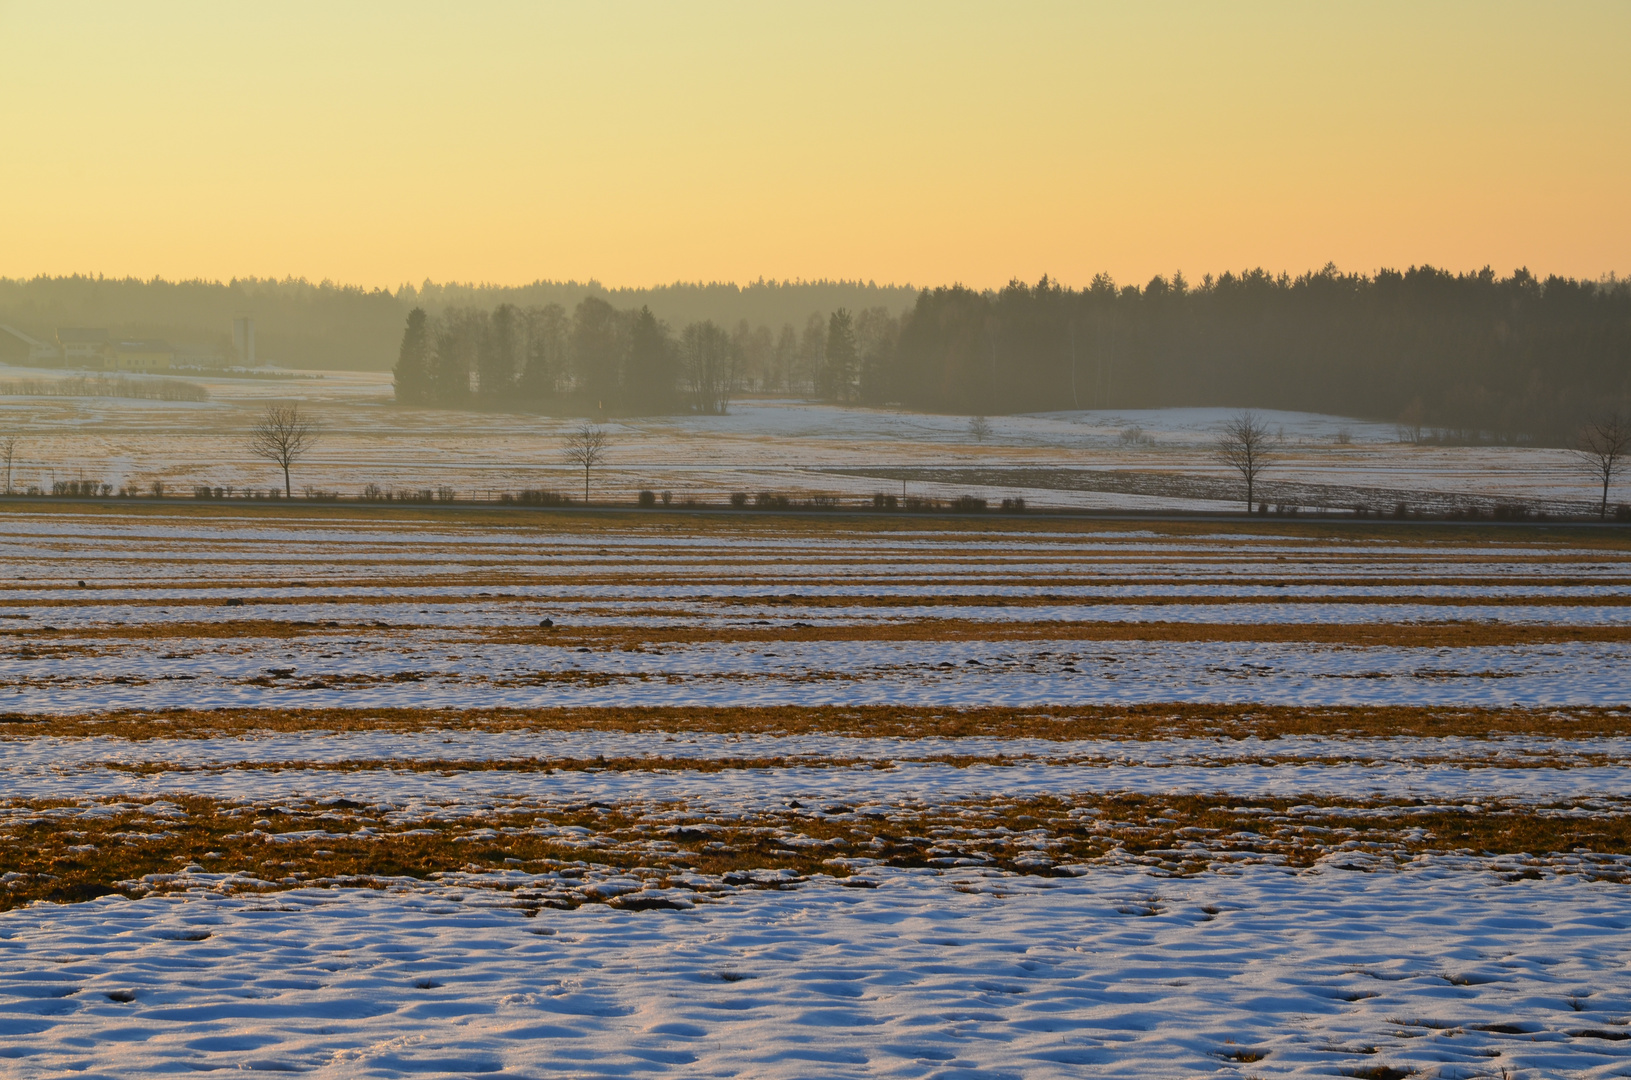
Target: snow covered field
436, 792
1116, 459
1438, 967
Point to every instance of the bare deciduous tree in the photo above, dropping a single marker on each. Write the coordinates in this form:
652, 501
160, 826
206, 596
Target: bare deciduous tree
712, 367
1243, 447
980, 428
8, 450
282, 436
1601, 448
586, 447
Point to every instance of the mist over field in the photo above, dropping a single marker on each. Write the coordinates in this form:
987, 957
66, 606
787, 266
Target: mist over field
1476, 356
332, 326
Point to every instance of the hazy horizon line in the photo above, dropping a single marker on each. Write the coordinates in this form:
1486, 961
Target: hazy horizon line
762, 282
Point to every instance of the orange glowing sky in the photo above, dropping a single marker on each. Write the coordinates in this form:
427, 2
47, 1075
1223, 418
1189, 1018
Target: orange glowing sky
377, 143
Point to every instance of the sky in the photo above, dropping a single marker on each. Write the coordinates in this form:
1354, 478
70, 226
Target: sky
924, 143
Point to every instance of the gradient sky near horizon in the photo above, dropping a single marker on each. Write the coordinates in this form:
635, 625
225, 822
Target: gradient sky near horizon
641, 143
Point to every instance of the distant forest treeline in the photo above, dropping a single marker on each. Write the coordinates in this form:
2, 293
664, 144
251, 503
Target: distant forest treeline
1473, 355
300, 324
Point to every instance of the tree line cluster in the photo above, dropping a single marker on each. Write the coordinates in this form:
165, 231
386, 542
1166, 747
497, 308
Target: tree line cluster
1475, 356
627, 360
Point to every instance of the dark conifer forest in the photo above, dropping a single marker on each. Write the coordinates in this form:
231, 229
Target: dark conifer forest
1474, 355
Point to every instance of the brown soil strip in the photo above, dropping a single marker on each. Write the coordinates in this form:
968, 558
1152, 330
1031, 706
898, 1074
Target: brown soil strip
56, 852
1156, 721
449, 766
90, 602
680, 763
1399, 635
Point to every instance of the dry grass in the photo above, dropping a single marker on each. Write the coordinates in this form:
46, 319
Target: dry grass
1407, 635
62, 852
1370, 635
1155, 721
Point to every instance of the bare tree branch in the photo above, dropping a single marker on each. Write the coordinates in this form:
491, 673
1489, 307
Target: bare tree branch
1601, 448
282, 436
1243, 446
585, 447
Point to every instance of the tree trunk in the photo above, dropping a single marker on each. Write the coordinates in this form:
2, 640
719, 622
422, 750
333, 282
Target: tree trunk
286, 492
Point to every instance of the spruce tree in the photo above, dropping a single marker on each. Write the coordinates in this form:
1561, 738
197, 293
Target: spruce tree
412, 372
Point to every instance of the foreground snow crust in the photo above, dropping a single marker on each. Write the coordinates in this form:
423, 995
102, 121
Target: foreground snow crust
1120, 973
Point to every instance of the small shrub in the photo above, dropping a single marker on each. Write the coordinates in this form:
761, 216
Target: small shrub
1510, 512
444, 494
767, 500
969, 504
881, 501
668, 498
647, 499
1400, 511
1015, 505
156, 489
374, 493
739, 499
1263, 509
535, 497
823, 502
916, 505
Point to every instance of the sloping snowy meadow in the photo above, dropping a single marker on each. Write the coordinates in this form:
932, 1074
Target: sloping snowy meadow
386, 792
1128, 459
